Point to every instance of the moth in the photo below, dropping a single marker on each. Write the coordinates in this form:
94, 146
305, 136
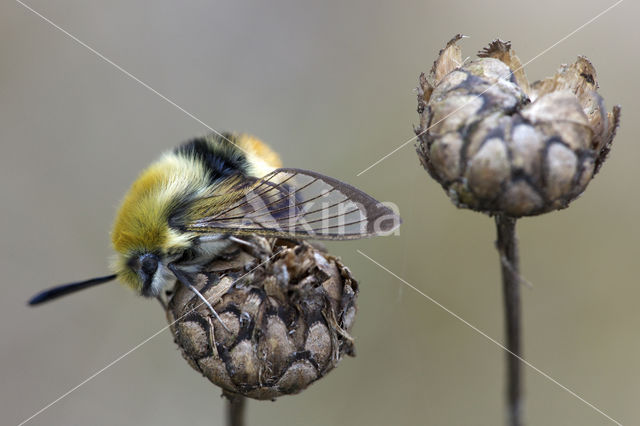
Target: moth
212, 192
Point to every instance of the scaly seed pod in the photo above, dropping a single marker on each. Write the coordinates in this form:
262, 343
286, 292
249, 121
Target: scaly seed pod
498, 144
287, 318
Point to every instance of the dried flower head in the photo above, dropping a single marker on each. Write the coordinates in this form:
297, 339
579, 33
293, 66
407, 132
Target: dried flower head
288, 318
498, 144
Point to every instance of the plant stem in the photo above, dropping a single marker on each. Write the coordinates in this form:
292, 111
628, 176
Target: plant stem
235, 409
507, 246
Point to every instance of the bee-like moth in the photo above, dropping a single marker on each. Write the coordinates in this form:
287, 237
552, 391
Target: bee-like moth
196, 201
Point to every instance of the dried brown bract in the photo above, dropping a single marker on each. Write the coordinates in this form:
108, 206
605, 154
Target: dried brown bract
288, 318
499, 144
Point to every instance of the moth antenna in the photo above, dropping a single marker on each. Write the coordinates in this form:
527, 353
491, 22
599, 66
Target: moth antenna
64, 289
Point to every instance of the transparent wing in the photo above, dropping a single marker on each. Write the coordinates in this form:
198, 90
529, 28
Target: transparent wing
293, 203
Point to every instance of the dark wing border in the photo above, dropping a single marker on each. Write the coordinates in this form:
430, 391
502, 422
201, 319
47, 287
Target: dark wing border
375, 213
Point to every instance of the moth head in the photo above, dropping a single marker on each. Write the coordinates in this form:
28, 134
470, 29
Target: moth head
145, 272
142, 238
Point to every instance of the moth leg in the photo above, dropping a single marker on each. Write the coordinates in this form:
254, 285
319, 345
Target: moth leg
257, 249
184, 280
241, 241
254, 249
206, 302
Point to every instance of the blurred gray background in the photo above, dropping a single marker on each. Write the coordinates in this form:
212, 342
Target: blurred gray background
328, 85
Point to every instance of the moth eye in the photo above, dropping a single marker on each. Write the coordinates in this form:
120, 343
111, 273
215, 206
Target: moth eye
146, 263
149, 264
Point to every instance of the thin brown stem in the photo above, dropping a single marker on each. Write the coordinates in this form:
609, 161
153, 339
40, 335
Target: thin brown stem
235, 409
507, 246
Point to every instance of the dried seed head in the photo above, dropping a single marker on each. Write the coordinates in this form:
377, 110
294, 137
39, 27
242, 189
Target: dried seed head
498, 144
288, 318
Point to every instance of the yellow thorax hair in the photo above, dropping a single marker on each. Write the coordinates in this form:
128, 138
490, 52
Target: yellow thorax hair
141, 223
